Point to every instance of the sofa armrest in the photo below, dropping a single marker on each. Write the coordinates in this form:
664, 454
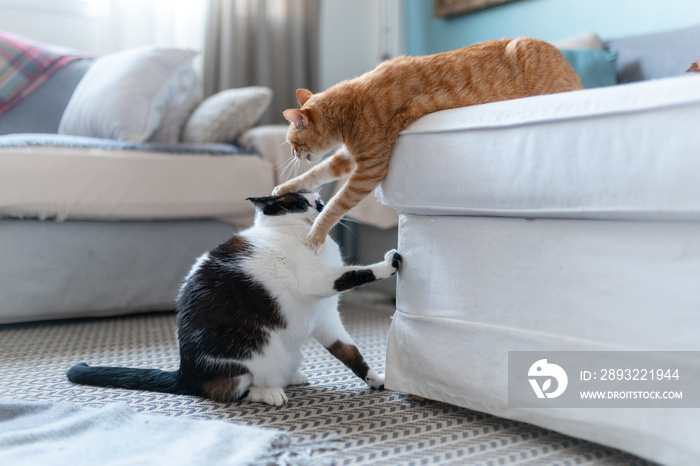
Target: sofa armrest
270, 142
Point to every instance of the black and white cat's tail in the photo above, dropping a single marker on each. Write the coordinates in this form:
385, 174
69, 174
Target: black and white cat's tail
154, 380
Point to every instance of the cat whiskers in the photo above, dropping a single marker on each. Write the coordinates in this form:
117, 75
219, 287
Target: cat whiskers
343, 222
289, 168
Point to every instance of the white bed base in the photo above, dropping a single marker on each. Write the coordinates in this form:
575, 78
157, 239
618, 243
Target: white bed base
485, 286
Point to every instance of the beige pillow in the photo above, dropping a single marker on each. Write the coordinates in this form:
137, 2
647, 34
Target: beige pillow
225, 115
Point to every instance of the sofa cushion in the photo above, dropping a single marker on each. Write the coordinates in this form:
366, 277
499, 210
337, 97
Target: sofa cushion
76, 178
626, 152
124, 95
655, 56
41, 110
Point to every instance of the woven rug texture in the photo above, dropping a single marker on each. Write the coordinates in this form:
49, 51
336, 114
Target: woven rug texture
373, 427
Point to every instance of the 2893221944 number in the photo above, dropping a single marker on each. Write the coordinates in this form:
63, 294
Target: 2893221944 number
639, 374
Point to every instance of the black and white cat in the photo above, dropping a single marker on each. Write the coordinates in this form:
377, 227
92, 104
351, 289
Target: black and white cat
246, 308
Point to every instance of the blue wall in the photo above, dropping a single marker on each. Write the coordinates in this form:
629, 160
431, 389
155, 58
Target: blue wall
544, 19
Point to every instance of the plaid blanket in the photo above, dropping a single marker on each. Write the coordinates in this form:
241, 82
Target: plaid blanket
24, 65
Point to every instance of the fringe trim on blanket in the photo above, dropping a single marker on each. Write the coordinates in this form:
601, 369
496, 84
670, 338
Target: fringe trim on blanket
283, 452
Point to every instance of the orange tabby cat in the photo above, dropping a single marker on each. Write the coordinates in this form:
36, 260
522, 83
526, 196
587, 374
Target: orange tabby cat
367, 113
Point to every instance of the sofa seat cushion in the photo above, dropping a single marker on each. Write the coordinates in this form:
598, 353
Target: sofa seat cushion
623, 152
77, 178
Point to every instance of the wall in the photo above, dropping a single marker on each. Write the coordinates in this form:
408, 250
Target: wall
70, 23
545, 19
104, 26
348, 39
357, 35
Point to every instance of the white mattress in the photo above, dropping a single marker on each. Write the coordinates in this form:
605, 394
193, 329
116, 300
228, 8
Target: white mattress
599, 153
74, 183
563, 222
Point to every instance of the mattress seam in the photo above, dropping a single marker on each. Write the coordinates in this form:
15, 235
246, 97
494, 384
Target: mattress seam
666, 215
515, 329
594, 114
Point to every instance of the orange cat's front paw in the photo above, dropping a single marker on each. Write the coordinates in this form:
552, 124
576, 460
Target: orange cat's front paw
288, 187
316, 238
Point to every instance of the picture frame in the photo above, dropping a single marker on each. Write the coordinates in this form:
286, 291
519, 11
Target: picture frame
450, 8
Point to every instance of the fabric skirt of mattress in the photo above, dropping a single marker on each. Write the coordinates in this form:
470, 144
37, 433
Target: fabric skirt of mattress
484, 286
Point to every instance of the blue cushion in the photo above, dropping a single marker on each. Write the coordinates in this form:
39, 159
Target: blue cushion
597, 68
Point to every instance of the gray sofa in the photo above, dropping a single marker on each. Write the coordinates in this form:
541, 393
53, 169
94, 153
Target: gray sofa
655, 56
94, 227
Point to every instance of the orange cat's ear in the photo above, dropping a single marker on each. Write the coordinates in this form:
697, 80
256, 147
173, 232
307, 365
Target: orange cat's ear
303, 95
298, 117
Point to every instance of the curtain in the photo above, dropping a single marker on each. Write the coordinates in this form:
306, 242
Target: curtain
271, 43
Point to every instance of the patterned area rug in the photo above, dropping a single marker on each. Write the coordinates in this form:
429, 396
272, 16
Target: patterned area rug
382, 428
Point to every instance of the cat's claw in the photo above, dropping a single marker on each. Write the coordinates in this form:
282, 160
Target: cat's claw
273, 396
391, 265
394, 259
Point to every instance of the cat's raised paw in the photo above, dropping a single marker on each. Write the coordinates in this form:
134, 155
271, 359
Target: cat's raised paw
273, 396
394, 258
315, 238
284, 188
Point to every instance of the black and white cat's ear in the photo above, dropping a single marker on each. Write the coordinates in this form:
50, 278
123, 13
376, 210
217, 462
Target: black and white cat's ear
261, 202
280, 205
297, 117
267, 205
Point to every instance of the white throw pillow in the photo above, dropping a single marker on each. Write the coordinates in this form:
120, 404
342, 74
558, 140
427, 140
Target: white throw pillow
586, 40
187, 96
225, 115
124, 95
